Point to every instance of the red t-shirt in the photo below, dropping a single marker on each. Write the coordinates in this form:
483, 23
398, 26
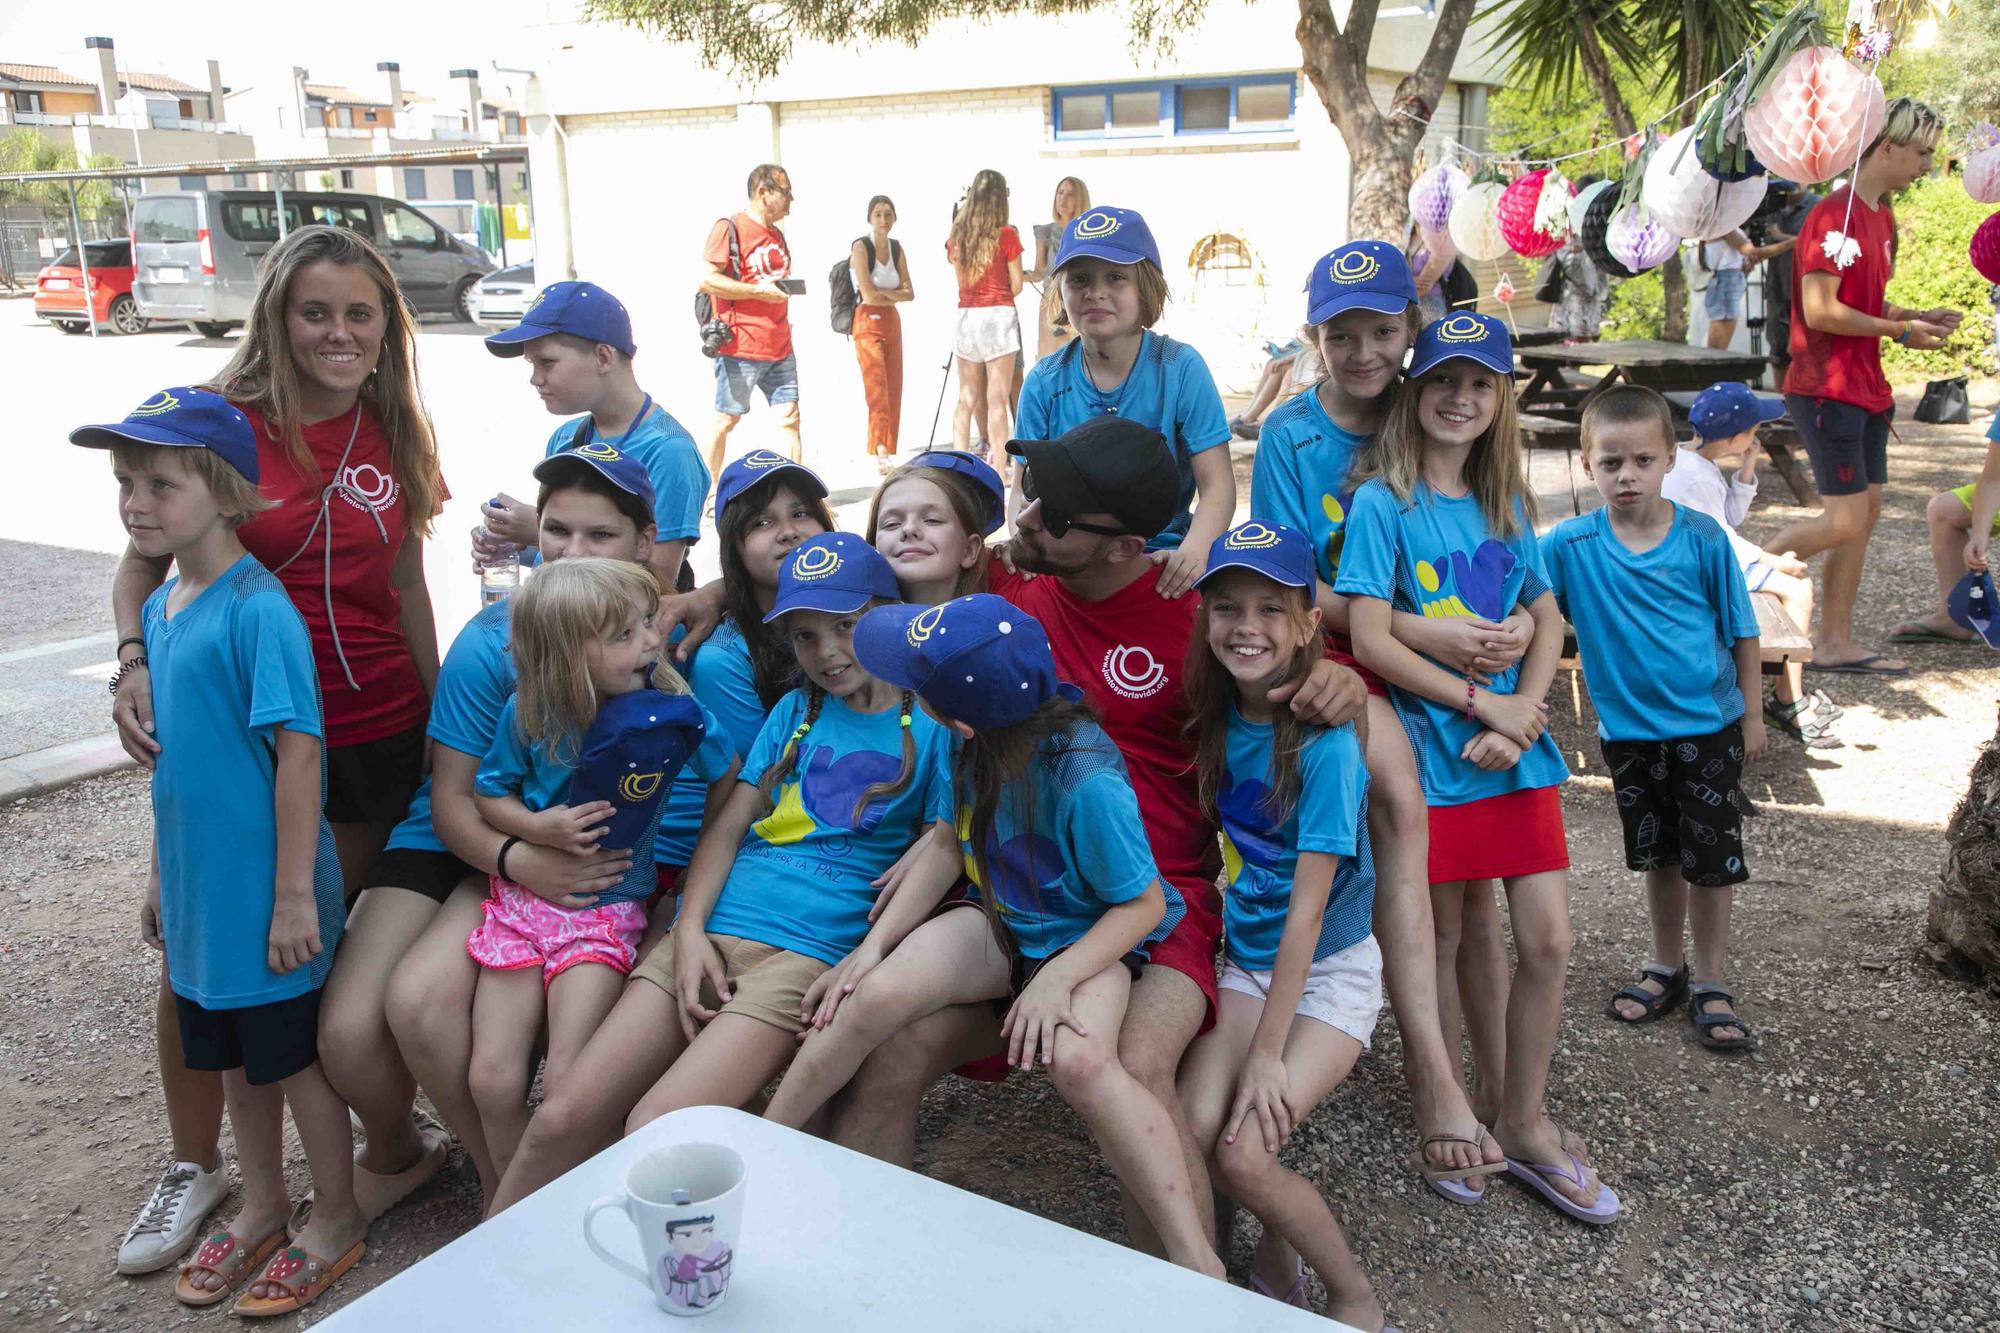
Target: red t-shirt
763, 328
994, 286
366, 607
1835, 365
1127, 653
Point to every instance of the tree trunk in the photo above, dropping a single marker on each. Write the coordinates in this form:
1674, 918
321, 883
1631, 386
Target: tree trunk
1674, 285
1965, 906
1597, 66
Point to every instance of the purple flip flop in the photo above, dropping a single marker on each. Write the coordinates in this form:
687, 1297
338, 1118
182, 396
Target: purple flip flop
1536, 1176
1294, 1295
1456, 1191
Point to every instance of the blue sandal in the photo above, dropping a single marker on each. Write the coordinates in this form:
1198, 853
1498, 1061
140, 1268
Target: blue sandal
1674, 984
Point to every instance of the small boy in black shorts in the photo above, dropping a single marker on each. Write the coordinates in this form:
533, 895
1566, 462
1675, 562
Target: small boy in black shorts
1669, 645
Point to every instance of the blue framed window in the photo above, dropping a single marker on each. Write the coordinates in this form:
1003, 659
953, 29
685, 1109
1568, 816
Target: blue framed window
1244, 104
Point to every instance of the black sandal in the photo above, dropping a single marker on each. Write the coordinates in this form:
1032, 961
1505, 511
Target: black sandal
1676, 983
1705, 1024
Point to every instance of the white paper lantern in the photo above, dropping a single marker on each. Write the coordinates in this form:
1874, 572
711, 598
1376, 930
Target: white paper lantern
1475, 225
1581, 204
1637, 241
1982, 175
1686, 200
1432, 195
1816, 115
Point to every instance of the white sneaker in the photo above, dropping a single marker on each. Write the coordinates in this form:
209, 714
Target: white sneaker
181, 1202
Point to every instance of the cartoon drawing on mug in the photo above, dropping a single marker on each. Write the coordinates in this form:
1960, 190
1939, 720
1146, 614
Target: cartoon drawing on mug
694, 1272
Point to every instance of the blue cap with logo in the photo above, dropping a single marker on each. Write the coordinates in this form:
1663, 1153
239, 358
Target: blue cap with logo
1473, 337
1726, 409
1279, 553
1118, 235
834, 572
580, 309
633, 751
622, 470
1972, 604
758, 464
979, 660
979, 470
1361, 275
183, 418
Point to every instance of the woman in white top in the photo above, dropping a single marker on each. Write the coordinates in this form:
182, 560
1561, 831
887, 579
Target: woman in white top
1728, 260
1052, 329
881, 283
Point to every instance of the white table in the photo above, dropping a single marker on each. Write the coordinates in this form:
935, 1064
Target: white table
831, 1240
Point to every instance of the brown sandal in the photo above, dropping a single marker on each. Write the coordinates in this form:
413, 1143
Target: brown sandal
230, 1258
301, 1276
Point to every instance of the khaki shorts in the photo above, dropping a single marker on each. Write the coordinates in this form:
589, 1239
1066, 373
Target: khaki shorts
769, 983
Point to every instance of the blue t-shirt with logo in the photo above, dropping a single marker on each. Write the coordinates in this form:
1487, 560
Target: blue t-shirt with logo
230, 670
1303, 458
474, 683
1260, 855
1168, 388
668, 453
720, 676
1436, 556
1657, 630
1080, 849
803, 877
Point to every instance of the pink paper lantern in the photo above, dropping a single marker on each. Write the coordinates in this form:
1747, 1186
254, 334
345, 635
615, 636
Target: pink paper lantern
1985, 249
1815, 116
1432, 195
1982, 175
1474, 228
1516, 213
1637, 241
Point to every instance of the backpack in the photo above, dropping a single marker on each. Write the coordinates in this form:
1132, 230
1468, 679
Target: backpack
716, 333
841, 295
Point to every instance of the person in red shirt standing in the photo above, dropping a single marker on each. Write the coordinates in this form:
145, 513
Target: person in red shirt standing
986, 252
1834, 387
747, 288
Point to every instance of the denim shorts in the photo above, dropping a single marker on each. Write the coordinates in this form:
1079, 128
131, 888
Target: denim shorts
1725, 294
735, 378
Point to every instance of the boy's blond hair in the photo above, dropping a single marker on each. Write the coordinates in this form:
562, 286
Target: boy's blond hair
233, 493
1906, 121
1627, 404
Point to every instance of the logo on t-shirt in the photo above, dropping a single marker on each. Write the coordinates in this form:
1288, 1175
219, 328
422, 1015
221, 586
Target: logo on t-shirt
769, 260
1134, 672
368, 488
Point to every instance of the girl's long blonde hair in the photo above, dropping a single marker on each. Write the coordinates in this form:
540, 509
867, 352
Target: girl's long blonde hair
975, 232
1211, 693
566, 606
1496, 470
261, 375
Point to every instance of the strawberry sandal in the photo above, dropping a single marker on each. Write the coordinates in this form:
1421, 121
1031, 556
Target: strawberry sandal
228, 1257
301, 1276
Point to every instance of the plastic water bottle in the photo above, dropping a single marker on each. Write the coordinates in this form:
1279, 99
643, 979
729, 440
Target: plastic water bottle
499, 572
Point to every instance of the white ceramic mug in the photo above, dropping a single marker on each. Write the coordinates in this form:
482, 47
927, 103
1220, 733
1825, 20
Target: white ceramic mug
686, 1203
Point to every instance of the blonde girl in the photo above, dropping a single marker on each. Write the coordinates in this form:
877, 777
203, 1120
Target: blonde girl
582, 637
930, 520
1072, 198
1443, 530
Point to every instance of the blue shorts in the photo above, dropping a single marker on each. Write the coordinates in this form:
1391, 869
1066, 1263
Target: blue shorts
1725, 293
735, 378
1848, 445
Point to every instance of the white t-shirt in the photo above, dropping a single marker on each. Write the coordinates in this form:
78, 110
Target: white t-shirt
1721, 257
1701, 485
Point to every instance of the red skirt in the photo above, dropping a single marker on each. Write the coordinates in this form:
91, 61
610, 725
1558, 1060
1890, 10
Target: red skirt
1340, 648
1500, 837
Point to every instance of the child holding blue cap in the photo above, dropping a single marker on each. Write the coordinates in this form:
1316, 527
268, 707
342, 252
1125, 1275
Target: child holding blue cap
1301, 983
846, 775
1108, 270
1065, 890
1444, 528
245, 891
931, 518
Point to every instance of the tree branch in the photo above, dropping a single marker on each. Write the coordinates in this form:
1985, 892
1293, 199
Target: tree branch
1427, 80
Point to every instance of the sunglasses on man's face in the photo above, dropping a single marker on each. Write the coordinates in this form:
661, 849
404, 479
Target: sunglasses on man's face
1057, 523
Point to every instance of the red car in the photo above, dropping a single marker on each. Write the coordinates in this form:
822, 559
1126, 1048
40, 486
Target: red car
59, 290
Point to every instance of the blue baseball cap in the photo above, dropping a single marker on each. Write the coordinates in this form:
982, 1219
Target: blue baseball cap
622, 470
580, 309
633, 751
756, 465
980, 660
1279, 553
1729, 408
1361, 275
1119, 235
183, 418
835, 572
1972, 604
1473, 337
978, 469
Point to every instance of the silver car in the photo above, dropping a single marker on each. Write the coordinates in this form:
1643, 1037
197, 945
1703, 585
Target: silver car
500, 298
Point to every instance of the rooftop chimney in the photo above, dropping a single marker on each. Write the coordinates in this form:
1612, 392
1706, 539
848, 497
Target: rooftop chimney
215, 91
395, 73
107, 74
471, 77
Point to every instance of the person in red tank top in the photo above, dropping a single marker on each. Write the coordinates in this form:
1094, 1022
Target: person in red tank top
986, 254
748, 295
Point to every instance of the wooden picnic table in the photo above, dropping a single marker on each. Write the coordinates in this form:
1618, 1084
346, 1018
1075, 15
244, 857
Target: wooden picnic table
1644, 361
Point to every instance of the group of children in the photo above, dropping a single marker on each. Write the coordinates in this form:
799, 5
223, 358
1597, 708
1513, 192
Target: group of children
870, 740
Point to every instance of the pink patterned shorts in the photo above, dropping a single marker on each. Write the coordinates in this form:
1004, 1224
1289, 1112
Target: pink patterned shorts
522, 930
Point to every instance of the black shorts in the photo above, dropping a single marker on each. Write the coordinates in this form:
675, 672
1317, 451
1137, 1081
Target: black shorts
371, 782
1848, 445
268, 1042
433, 874
1680, 806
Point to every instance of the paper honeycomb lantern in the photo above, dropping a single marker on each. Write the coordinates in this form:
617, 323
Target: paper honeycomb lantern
1985, 249
1522, 218
1982, 175
1637, 241
1580, 205
1686, 200
1816, 115
1474, 228
1596, 229
1432, 195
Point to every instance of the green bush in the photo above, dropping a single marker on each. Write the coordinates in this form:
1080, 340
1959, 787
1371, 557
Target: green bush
1638, 308
1935, 219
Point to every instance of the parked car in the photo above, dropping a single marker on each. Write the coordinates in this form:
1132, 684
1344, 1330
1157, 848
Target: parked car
196, 252
59, 289
500, 298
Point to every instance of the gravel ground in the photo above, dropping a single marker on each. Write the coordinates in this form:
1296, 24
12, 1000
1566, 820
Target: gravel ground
1842, 1178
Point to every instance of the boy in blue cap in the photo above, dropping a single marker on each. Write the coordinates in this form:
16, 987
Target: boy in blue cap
245, 892
577, 340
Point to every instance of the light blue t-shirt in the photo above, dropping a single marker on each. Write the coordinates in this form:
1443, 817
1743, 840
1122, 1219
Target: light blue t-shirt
1169, 388
671, 458
721, 678
1082, 848
229, 670
1436, 556
1260, 857
474, 683
1657, 631
1300, 479
803, 875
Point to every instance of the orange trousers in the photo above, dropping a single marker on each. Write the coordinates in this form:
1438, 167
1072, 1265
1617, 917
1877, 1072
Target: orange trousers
878, 347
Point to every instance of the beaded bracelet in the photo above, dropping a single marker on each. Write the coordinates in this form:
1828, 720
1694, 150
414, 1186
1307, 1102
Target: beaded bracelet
1470, 690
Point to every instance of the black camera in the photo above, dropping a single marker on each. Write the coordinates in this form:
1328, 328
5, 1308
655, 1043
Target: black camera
1779, 197
715, 335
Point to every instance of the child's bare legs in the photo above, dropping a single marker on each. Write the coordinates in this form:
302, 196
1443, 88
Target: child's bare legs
999, 419
257, 1120
1950, 524
429, 1009
1483, 971
1675, 906
1164, 1010
326, 1133
1708, 921
194, 1097
1796, 596
729, 1062
971, 396
506, 1016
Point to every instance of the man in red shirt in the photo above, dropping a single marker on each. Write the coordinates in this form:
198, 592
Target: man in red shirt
749, 296
1834, 387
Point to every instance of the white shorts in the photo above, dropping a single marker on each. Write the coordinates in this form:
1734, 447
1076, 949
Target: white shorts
1343, 990
986, 332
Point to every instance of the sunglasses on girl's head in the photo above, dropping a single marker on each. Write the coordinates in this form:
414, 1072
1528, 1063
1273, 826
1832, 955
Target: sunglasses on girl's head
1054, 521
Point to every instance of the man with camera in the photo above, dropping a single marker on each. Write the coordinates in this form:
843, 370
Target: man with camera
746, 273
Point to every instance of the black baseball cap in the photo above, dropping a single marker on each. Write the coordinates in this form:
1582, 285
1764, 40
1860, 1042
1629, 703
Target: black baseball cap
1108, 465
